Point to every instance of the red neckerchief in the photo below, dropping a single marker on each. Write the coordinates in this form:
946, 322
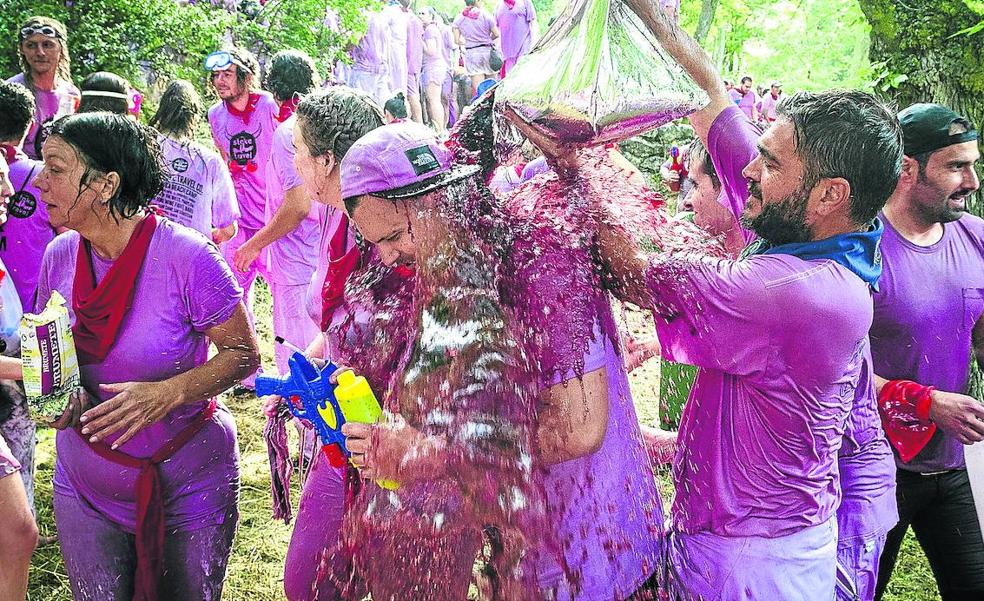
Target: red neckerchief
471, 12
244, 114
775, 97
10, 153
150, 502
287, 109
341, 263
510, 4
100, 309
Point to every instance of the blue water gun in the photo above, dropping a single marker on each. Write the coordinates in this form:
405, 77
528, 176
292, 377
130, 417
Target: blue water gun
310, 396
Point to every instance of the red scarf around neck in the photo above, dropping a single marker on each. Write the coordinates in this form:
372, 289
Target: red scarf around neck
510, 4
287, 109
471, 12
341, 264
100, 308
244, 114
9, 152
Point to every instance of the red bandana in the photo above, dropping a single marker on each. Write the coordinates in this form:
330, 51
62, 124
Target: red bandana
9, 152
471, 12
287, 109
100, 308
341, 263
244, 114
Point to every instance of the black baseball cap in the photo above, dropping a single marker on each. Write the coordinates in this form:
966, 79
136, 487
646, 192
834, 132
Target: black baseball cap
928, 127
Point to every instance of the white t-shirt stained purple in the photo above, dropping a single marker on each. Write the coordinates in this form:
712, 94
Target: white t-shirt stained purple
48, 106
27, 231
294, 257
476, 31
199, 192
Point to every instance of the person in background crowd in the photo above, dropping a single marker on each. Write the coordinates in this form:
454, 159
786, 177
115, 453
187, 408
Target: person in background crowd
398, 32
671, 8
746, 99
146, 298
769, 103
47, 73
23, 238
516, 20
395, 109
293, 225
370, 58
435, 69
105, 91
243, 123
415, 61
705, 197
927, 330
19, 535
475, 33
198, 192
728, 85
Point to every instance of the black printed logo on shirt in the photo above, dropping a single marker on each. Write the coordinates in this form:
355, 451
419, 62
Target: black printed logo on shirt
179, 165
22, 205
242, 148
422, 160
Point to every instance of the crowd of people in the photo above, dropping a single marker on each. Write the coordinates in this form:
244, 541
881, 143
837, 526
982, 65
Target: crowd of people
474, 290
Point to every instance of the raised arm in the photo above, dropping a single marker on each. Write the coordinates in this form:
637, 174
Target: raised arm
686, 51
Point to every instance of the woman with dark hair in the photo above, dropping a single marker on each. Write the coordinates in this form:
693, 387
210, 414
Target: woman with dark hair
147, 477
47, 73
327, 123
105, 91
198, 192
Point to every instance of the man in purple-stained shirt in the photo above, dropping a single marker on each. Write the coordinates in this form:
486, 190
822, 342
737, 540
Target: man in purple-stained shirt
746, 99
43, 46
767, 424
927, 329
370, 59
243, 122
415, 60
475, 32
516, 20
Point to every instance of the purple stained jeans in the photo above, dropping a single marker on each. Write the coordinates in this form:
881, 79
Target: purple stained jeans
101, 557
316, 535
857, 566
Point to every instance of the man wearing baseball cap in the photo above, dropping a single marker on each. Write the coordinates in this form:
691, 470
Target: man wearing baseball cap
408, 198
927, 329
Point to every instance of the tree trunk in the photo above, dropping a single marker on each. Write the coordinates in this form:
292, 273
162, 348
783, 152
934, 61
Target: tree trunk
912, 38
707, 10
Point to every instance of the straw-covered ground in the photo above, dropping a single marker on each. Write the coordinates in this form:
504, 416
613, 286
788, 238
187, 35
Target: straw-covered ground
256, 566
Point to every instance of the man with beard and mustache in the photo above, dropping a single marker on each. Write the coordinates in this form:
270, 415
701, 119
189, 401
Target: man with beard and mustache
927, 329
782, 407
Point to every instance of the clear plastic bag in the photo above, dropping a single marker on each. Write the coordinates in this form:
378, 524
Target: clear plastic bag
599, 76
11, 312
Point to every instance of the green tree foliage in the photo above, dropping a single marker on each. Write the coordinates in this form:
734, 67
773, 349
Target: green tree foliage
151, 41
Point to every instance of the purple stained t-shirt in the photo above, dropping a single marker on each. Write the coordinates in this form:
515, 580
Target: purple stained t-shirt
477, 31
198, 192
415, 44
27, 231
294, 257
747, 102
929, 299
866, 466
866, 463
516, 28
245, 144
183, 289
371, 54
398, 28
48, 106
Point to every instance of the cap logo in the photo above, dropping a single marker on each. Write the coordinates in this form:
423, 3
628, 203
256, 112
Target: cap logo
422, 160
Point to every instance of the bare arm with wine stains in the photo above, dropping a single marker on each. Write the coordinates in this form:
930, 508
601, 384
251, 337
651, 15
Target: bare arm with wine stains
573, 418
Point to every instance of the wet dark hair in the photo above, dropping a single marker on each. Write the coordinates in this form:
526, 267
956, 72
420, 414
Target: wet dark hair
107, 143
397, 106
333, 119
179, 110
471, 2
104, 81
847, 134
697, 154
291, 73
16, 111
746, 78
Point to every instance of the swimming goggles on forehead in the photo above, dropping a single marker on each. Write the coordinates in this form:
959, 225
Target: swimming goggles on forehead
220, 60
45, 30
